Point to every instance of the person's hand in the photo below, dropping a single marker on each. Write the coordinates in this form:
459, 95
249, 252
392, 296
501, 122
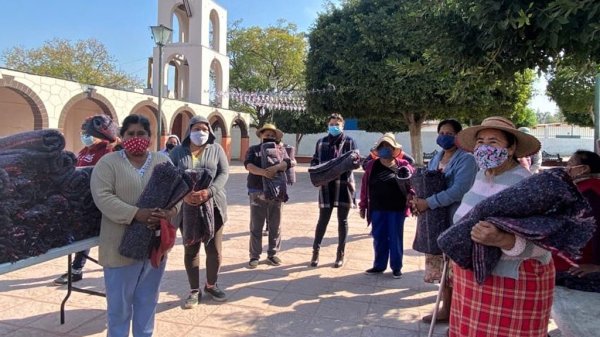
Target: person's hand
146, 215
270, 172
164, 213
420, 205
584, 269
363, 213
190, 199
203, 195
488, 234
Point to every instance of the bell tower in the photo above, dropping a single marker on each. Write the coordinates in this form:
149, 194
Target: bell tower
195, 63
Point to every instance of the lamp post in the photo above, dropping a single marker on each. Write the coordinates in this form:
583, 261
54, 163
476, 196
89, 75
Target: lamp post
161, 35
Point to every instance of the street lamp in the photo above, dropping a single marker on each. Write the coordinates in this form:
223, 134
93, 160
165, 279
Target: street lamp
161, 35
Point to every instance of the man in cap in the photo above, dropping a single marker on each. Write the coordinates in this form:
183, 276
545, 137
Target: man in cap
262, 208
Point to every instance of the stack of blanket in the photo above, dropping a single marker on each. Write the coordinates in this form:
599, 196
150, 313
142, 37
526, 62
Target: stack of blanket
45, 202
322, 174
545, 209
198, 221
275, 188
166, 187
433, 222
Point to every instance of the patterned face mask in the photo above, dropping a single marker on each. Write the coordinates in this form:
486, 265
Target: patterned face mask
488, 157
136, 146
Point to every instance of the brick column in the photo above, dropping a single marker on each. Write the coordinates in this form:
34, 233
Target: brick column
244, 145
226, 144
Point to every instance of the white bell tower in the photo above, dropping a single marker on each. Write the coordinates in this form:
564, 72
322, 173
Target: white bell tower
195, 63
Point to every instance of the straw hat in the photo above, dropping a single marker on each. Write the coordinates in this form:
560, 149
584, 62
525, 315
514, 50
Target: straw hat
390, 139
268, 126
526, 144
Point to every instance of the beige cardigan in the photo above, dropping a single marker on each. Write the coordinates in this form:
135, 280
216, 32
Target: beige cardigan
116, 186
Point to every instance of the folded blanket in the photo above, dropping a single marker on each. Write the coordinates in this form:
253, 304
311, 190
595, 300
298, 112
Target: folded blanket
198, 223
166, 187
101, 126
5, 184
546, 209
77, 184
322, 174
275, 188
46, 140
433, 222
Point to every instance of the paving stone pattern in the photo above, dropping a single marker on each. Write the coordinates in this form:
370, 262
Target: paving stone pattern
290, 300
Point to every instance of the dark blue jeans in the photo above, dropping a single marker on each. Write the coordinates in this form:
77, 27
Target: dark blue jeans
388, 234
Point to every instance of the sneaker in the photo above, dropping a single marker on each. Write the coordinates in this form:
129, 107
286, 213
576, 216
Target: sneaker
64, 278
192, 300
397, 274
253, 263
216, 293
373, 271
274, 260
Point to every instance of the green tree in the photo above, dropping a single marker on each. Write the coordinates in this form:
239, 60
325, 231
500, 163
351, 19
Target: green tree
85, 61
299, 123
573, 91
376, 54
267, 60
505, 36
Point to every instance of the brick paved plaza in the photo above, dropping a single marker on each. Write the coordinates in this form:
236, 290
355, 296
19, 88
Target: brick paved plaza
290, 300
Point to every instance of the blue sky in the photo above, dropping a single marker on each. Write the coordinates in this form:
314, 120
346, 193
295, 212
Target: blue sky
122, 25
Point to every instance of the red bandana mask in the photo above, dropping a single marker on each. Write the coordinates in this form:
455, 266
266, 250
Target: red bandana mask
136, 146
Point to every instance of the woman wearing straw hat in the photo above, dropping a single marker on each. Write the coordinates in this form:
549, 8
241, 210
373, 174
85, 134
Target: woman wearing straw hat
383, 201
517, 298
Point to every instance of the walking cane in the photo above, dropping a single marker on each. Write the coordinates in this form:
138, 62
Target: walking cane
439, 296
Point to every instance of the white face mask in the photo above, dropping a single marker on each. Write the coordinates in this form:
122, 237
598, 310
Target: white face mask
199, 138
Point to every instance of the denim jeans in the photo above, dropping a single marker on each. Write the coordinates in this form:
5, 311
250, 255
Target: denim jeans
132, 295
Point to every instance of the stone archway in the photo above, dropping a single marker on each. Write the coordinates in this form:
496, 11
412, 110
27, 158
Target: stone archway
180, 123
239, 129
76, 110
217, 123
149, 109
21, 109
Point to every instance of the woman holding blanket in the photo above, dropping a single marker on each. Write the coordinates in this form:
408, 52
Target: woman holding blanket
116, 184
516, 299
383, 201
199, 151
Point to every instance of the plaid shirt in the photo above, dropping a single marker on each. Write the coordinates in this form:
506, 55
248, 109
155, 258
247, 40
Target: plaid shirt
341, 191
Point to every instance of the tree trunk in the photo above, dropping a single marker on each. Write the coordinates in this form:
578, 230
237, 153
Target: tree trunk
298, 140
415, 123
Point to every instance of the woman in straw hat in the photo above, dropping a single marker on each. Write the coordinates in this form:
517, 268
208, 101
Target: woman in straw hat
383, 201
517, 298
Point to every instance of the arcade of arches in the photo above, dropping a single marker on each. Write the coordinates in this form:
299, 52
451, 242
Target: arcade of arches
51, 103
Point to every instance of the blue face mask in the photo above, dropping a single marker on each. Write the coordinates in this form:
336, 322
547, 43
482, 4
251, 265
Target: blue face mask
445, 141
334, 130
87, 140
385, 153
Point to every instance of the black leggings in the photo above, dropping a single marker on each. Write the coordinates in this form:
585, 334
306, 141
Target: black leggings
213, 257
324, 216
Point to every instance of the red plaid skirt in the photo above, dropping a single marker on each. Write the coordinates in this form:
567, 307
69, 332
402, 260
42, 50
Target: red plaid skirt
501, 306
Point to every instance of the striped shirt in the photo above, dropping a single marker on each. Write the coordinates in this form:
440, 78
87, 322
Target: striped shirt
484, 187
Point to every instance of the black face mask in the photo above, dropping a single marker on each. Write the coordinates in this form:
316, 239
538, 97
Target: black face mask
268, 140
170, 147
